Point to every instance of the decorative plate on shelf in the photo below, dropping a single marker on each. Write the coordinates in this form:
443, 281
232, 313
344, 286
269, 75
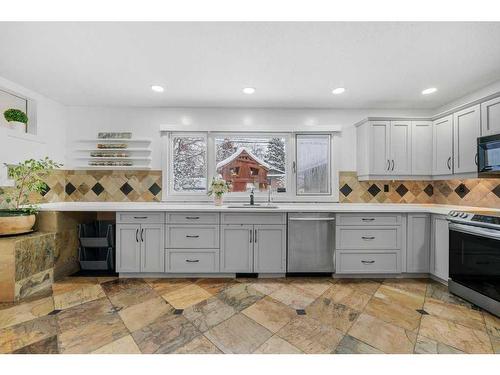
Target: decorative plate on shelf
114, 135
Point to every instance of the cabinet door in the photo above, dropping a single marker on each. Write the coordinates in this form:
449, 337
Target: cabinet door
400, 147
236, 248
418, 249
269, 249
128, 248
490, 117
421, 148
443, 146
152, 248
440, 247
466, 129
380, 138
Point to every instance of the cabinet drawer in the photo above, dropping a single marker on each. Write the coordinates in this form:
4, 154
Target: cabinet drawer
368, 262
192, 236
192, 218
250, 218
369, 219
140, 217
192, 261
368, 238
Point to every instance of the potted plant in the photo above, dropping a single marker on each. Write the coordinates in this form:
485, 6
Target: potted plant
16, 118
17, 214
218, 188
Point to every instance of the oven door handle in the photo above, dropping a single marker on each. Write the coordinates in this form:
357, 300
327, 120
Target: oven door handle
476, 231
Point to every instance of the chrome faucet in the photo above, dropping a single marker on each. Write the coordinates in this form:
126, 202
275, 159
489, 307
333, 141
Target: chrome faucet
252, 200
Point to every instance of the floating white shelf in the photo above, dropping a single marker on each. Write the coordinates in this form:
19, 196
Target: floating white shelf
138, 154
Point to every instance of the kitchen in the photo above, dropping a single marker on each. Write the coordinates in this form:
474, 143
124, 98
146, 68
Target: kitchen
202, 210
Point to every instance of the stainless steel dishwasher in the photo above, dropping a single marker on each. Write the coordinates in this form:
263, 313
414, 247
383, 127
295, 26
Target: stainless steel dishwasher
311, 242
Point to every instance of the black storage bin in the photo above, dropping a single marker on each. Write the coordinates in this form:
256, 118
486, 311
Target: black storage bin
96, 245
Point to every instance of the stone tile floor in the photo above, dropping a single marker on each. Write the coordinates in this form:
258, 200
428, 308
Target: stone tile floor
293, 315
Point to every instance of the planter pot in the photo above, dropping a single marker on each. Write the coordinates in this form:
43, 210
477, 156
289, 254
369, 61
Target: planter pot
218, 201
17, 126
16, 222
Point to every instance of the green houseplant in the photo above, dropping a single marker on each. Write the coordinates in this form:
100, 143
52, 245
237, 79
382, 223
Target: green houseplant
218, 188
17, 118
17, 213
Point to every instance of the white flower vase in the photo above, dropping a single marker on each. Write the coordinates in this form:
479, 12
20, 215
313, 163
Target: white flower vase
17, 126
218, 200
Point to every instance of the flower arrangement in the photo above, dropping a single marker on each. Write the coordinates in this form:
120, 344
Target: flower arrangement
218, 188
16, 115
29, 177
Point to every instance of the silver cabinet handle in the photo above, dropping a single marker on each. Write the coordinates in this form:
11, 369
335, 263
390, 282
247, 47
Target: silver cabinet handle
192, 217
476, 159
294, 167
142, 232
367, 261
136, 235
388, 164
368, 237
192, 260
448, 163
140, 217
368, 219
192, 236
392, 165
255, 236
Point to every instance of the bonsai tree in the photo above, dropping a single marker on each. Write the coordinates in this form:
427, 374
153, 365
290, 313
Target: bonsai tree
12, 114
28, 177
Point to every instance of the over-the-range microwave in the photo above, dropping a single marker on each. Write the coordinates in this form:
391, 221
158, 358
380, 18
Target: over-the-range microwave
488, 156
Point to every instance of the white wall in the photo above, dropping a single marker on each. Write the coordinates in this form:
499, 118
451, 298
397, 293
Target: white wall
86, 122
50, 137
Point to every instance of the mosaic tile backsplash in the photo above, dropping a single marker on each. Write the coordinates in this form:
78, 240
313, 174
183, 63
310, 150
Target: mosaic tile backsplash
468, 192
102, 186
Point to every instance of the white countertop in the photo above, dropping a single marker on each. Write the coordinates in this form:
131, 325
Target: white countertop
282, 207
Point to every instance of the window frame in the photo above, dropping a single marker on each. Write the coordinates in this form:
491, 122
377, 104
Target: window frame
330, 164
290, 162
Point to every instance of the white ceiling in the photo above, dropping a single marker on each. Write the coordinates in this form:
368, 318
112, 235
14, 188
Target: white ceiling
382, 65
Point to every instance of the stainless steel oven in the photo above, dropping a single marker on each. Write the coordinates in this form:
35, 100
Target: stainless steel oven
475, 258
488, 155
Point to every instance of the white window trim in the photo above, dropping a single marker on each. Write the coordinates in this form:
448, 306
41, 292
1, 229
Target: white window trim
289, 196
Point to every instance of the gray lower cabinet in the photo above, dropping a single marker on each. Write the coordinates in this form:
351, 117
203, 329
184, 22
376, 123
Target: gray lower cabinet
128, 248
253, 248
139, 248
236, 248
440, 243
192, 260
269, 249
418, 243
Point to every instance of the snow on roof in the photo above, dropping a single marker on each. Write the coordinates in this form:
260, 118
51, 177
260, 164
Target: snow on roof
237, 153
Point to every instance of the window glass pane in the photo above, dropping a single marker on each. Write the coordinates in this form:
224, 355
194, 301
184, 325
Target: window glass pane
189, 164
251, 161
8, 100
313, 164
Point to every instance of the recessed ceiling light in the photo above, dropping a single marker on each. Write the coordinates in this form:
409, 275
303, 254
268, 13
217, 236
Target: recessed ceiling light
157, 88
248, 90
338, 90
430, 90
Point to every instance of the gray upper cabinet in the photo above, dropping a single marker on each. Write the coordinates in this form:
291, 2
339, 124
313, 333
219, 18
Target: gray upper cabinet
152, 252
418, 243
236, 248
490, 117
466, 129
421, 148
439, 247
128, 248
269, 249
443, 146
400, 148
379, 136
